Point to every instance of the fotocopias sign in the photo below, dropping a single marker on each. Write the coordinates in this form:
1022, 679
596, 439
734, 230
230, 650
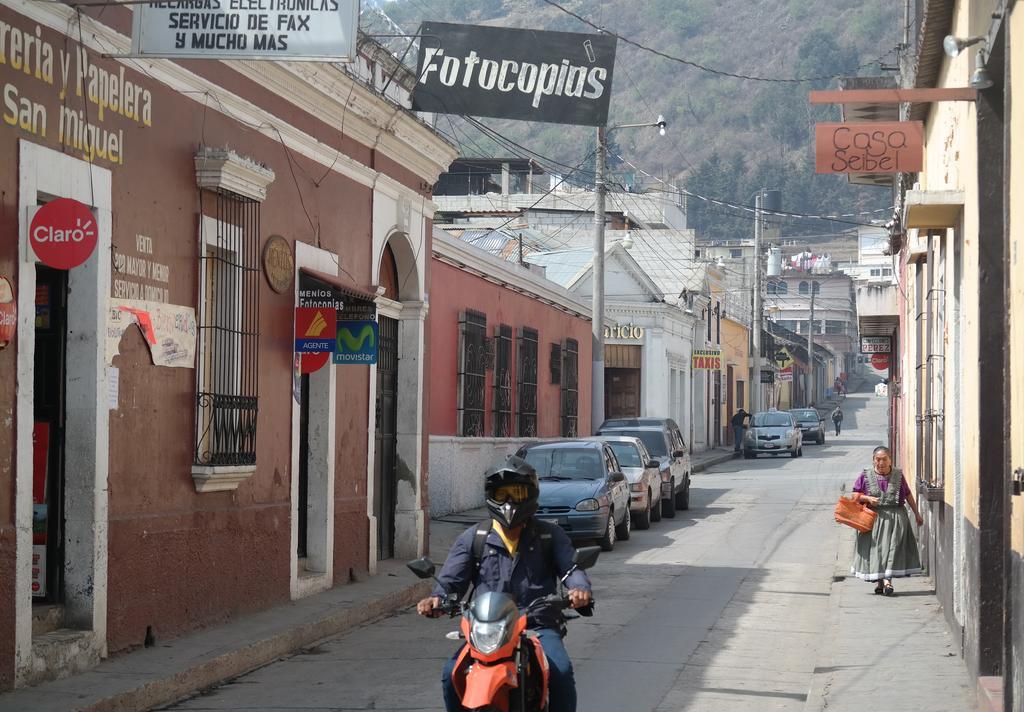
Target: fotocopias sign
534, 75
869, 147
63, 233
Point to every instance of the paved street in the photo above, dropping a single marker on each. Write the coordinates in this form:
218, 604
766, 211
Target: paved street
727, 607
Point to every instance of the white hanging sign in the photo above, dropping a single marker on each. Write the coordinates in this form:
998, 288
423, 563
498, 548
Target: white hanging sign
311, 30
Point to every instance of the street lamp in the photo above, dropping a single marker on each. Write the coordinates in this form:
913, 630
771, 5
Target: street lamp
597, 300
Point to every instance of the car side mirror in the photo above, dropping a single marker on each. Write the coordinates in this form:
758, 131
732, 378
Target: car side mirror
616, 477
652, 463
586, 556
423, 567
678, 453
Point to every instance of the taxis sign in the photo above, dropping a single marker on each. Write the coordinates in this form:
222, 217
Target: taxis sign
706, 360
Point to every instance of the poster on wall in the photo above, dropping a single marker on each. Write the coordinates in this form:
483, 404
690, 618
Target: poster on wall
706, 360
168, 329
324, 30
510, 73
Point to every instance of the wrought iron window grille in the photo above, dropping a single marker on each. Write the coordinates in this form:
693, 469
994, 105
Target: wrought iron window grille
472, 373
503, 382
570, 389
227, 386
527, 383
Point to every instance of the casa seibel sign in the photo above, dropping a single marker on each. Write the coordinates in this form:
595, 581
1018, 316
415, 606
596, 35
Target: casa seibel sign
294, 30
508, 73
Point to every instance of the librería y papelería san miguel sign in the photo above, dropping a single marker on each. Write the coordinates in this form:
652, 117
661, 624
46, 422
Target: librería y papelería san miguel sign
506, 73
247, 29
869, 147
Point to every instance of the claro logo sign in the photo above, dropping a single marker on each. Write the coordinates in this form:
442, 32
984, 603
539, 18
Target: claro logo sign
63, 233
558, 77
869, 147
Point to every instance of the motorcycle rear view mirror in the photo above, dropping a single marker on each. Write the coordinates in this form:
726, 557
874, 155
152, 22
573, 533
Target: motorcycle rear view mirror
586, 556
422, 567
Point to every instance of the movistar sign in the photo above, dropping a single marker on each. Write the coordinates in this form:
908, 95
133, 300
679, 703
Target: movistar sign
356, 343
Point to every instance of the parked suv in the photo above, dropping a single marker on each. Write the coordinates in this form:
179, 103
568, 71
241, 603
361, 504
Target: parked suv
665, 443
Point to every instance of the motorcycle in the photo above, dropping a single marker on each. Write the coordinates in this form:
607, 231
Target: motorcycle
502, 667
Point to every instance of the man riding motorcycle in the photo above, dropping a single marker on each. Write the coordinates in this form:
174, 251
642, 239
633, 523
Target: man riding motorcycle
523, 557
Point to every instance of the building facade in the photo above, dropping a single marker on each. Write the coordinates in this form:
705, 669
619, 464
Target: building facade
511, 362
168, 464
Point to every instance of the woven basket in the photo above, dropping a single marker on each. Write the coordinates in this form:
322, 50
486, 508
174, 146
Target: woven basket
854, 514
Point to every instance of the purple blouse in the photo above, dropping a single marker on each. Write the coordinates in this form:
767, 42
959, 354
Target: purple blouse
861, 485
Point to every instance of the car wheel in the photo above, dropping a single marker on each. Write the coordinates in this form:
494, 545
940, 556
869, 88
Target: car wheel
607, 542
655, 508
683, 498
821, 438
622, 530
668, 505
643, 519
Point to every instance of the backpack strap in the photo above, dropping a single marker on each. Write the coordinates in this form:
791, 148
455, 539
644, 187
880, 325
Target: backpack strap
480, 541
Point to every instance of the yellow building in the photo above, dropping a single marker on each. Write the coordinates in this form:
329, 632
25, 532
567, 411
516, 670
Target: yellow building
736, 372
957, 385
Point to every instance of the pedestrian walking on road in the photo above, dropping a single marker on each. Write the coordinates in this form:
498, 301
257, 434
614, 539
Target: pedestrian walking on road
837, 419
889, 550
738, 428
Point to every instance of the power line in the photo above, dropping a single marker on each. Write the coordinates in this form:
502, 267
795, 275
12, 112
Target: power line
712, 70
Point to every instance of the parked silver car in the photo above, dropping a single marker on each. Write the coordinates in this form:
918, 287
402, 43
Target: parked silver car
773, 432
665, 443
643, 473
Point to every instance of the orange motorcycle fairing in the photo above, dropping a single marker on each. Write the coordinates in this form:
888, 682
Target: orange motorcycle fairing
542, 662
487, 686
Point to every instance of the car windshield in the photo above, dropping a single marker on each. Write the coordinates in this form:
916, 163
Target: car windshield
627, 454
804, 415
771, 420
653, 440
575, 463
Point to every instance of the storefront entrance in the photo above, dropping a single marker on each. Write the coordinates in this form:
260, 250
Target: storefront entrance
386, 443
622, 381
48, 438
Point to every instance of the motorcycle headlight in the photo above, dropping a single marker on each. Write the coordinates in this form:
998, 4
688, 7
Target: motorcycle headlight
588, 505
487, 637
638, 487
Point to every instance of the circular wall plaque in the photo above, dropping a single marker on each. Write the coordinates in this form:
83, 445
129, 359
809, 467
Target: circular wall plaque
278, 263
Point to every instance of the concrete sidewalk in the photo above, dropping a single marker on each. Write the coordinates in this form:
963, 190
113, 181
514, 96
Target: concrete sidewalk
894, 651
143, 679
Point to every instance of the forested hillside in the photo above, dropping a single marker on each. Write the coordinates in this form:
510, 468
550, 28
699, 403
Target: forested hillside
727, 136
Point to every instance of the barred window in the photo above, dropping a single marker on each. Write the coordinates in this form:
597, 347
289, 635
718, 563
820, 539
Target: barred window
503, 382
228, 338
555, 364
570, 389
472, 373
527, 377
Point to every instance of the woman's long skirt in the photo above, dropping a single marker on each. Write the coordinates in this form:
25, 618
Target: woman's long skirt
889, 550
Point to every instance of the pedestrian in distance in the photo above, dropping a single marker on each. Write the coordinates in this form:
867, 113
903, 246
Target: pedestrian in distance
739, 427
889, 550
837, 419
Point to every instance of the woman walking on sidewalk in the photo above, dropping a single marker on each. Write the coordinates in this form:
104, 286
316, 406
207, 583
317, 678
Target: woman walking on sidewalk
889, 550
837, 419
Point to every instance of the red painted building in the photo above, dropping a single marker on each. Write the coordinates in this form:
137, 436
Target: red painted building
510, 360
164, 465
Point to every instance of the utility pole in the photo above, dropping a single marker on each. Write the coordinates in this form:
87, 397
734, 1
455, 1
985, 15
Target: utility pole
755, 390
597, 297
810, 352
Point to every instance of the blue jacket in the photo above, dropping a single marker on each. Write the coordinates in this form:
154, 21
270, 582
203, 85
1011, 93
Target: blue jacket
526, 577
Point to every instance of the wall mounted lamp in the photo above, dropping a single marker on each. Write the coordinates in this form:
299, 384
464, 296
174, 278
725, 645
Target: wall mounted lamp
979, 77
953, 45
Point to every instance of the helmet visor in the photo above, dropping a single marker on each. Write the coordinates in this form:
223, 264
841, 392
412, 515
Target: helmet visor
511, 493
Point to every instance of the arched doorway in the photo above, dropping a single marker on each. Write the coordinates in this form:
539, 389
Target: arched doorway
385, 447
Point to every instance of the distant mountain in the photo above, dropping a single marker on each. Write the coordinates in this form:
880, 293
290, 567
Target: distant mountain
726, 137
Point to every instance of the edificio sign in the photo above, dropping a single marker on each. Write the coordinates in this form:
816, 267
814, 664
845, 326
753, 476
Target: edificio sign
624, 331
311, 30
875, 345
507, 73
869, 147
707, 359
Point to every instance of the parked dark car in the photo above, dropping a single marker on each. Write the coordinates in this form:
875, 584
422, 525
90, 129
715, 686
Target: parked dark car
665, 443
582, 489
811, 424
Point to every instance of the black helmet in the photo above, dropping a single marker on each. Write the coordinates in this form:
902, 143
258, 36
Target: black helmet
511, 511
